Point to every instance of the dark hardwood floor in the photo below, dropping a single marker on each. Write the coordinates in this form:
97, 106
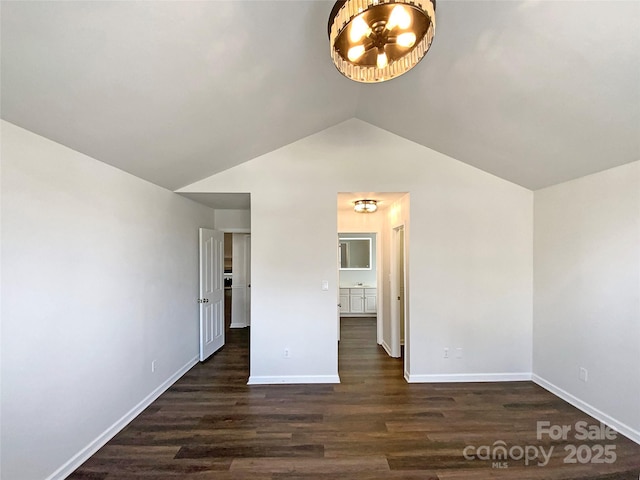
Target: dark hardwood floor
373, 425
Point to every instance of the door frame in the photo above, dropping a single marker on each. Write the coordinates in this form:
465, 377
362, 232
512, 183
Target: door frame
394, 291
246, 244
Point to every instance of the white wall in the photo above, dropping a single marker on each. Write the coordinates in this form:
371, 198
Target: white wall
470, 264
233, 220
587, 294
99, 278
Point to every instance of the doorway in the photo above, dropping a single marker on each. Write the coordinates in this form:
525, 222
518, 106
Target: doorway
240, 284
228, 272
358, 275
392, 212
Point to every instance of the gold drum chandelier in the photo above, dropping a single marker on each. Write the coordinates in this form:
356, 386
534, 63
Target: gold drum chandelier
377, 40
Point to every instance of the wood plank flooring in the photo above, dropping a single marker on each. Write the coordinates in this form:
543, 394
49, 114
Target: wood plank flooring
373, 425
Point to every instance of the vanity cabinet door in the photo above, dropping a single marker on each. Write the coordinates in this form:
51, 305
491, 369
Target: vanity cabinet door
370, 300
344, 301
356, 300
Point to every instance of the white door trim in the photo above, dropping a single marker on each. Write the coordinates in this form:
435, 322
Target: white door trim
395, 293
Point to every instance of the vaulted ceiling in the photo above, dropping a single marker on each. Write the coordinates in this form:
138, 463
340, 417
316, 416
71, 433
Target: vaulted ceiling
536, 92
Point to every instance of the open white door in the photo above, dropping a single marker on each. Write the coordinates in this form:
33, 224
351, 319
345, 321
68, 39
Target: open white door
241, 281
397, 290
247, 275
211, 292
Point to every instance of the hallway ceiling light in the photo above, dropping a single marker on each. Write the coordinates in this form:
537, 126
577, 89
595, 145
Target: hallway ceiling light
365, 206
377, 40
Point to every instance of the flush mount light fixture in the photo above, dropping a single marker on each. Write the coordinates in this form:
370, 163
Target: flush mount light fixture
365, 206
377, 40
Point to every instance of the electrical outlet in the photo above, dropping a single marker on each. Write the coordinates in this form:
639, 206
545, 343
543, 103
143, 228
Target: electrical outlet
584, 374
446, 353
286, 353
153, 366
458, 353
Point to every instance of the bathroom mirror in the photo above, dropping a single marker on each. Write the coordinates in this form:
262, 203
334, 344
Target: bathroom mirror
354, 253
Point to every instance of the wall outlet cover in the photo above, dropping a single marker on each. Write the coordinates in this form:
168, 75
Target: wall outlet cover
584, 374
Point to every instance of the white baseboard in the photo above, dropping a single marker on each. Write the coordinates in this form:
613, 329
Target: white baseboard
618, 426
237, 325
280, 379
83, 455
469, 377
387, 348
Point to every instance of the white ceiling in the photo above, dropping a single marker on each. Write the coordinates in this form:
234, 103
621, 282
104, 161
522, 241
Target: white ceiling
222, 201
536, 92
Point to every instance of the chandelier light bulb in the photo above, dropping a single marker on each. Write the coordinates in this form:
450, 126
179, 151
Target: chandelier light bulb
359, 29
382, 60
399, 18
407, 39
355, 52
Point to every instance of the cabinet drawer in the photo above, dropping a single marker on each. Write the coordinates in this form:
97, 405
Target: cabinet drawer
357, 291
369, 291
